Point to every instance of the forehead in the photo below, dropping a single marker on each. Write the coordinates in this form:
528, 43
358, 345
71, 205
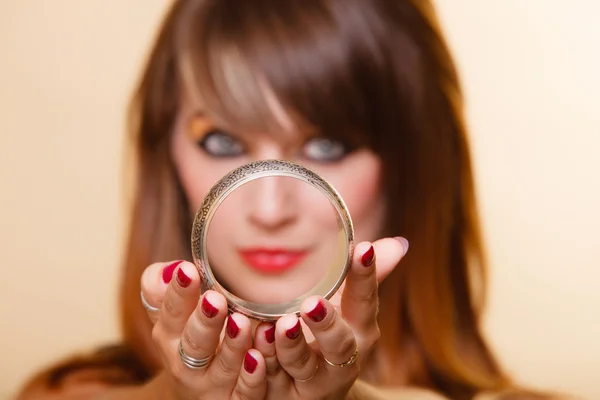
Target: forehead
284, 68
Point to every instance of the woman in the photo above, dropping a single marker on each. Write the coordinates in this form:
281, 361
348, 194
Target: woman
364, 92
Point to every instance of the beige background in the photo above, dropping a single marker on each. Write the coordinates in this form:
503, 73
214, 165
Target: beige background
531, 76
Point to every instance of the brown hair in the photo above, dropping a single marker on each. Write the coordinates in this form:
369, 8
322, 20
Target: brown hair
376, 71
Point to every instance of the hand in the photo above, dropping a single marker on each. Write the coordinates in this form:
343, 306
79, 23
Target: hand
196, 322
299, 353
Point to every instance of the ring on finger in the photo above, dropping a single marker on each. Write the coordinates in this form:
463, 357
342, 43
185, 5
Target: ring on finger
347, 363
191, 362
147, 306
311, 376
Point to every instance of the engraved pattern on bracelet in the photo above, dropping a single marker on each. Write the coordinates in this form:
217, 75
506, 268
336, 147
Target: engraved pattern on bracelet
225, 186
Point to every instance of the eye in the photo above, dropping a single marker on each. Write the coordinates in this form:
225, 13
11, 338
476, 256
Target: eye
324, 150
220, 144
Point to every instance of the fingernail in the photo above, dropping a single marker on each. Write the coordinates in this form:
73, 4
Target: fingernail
318, 313
250, 363
232, 328
404, 244
208, 309
368, 258
294, 331
167, 273
183, 279
270, 334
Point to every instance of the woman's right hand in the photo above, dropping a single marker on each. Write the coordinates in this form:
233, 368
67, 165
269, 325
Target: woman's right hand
235, 372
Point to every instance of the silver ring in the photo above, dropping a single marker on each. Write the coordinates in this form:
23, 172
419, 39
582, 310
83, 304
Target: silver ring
194, 363
147, 306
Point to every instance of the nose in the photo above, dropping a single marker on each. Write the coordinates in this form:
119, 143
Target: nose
271, 203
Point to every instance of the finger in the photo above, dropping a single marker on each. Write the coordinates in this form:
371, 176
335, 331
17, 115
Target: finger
180, 300
389, 255
294, 354
154, 281
359, 302
251, 383
202, 333
264, 341
334, 336
226, 366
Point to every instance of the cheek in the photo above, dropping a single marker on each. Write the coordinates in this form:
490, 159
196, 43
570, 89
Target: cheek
363, 198
359, 184
196, 171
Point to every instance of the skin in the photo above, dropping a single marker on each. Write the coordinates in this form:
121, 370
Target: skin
349, 323
274, 212
247, 363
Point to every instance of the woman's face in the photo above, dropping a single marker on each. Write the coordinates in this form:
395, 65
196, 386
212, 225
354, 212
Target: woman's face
272, 239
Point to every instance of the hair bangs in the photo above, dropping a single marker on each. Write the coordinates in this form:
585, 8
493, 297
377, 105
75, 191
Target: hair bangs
266, 66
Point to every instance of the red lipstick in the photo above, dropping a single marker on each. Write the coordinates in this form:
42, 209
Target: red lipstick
272, 261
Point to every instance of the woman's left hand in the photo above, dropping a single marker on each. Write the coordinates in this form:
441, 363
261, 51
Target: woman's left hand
323, 361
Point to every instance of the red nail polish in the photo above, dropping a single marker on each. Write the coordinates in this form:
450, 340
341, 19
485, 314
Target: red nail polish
318, 313
183, 279
167, 273
294, 331
270, 334
368, 258
232, 328
250, 363
208, 309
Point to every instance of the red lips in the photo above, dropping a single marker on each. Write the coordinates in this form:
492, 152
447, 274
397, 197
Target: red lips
272, 261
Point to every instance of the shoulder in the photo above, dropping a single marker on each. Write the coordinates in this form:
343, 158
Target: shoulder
514, 394
72, 391
85, 375
412, 394
365, 391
